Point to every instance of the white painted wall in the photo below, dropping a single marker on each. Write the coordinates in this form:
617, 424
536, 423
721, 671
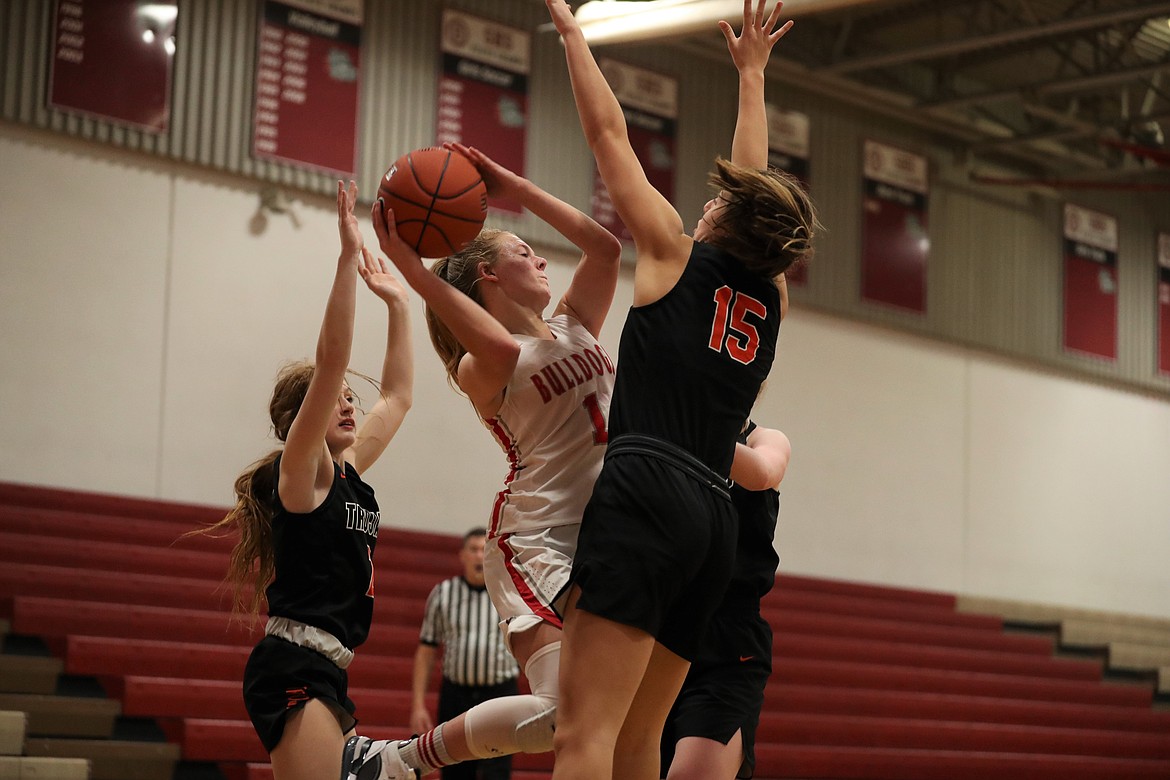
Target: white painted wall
143, 321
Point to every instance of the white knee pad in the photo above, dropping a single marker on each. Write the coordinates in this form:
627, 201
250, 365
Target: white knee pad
518, 724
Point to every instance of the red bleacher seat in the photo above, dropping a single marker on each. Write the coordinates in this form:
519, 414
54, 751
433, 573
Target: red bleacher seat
870, 682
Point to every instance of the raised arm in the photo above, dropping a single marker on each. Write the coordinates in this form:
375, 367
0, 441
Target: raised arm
750, 51
306, 468
383, 420
492, 352
762, 462
591, 292
652, 220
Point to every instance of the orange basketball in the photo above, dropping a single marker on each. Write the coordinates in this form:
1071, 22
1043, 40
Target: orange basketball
439, 200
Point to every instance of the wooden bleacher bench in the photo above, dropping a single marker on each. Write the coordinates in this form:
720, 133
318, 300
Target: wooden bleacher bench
29, 673
44, 768
15, 765
1130, 657
13, 724
1132, 643
110, 759
1095, 633
64, 716
1037, 613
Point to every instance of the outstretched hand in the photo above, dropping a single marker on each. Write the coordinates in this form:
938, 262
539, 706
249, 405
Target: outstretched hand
562, 15
752, 47
500, 182
379, 279
352, 242
405, 259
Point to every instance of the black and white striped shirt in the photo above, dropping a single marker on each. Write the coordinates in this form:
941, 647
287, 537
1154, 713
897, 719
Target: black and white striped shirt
462, 619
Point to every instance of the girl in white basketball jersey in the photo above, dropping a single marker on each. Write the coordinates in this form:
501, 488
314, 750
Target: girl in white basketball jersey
541, 387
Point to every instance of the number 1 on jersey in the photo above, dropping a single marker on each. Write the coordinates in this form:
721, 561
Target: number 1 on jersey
730, 329
597, 418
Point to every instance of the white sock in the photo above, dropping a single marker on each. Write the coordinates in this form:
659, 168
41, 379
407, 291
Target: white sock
426, 753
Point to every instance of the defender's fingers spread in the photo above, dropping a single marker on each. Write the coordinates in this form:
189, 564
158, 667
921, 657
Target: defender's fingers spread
725, 28
775, 17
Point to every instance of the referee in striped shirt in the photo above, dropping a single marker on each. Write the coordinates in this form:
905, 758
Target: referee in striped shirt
476, 664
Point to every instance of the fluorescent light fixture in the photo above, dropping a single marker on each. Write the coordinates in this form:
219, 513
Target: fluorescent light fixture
162, 14
627, 21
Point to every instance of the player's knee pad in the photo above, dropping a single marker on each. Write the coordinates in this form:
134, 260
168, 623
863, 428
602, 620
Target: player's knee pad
518, 724
535, 734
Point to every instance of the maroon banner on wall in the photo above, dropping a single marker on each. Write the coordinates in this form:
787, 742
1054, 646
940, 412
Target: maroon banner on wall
895, 244
788, 150
112, 59
1090, 282
483, 91
306, 95
1164, 303
650, 103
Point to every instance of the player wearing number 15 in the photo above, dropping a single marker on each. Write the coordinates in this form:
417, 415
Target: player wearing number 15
658, 535
541, 386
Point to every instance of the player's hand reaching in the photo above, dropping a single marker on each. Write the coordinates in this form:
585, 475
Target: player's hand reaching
562, 16
500, 182
379, 279
352, 242
752, 47
405, 259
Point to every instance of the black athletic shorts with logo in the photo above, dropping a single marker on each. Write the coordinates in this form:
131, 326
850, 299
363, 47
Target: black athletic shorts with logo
657, 544
724, 689
281, 677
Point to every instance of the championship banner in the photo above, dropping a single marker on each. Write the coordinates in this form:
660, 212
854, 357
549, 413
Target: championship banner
306, 94
483, 90
1090, 282
650, 103
788, 144
895, 244
1164, 303
111, 59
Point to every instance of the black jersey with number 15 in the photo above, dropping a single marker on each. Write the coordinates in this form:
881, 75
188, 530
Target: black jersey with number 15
691, 363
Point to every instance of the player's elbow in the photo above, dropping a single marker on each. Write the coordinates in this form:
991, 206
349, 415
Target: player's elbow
777, 465
604, 136
609, 249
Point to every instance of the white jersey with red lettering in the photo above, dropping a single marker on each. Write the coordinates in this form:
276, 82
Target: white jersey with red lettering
552, 428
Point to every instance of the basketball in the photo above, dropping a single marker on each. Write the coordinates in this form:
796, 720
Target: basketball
439, 200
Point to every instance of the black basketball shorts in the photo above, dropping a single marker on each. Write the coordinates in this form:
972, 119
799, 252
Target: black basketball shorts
724, 689
281, 677
655, 550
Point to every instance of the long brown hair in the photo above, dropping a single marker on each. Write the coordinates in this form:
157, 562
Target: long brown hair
462, 271
252, 559
768, 220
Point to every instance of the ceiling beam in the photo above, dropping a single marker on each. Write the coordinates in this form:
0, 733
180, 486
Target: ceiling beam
1020, 35
899, 107
1053, 87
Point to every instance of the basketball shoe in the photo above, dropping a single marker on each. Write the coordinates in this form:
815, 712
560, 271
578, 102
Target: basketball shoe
374, 759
